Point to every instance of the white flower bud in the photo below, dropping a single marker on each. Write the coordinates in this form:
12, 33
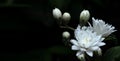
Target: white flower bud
84, 15
66, 18
66, 35
99, 51
81, 57
57, 13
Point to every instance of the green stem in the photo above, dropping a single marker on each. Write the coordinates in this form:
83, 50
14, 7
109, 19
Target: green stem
67, 27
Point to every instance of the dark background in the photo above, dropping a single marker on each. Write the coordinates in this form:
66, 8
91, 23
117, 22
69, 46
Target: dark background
28, 31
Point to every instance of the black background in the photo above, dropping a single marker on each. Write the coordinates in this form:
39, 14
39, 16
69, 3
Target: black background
27, 27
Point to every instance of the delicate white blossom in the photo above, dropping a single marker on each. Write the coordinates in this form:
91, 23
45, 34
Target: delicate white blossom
101, 28
57, 13
86, 41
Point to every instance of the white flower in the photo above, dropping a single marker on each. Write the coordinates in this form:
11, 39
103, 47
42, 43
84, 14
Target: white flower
57, 13
86, 41
101, 28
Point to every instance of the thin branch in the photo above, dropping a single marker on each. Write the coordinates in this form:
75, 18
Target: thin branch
67, 27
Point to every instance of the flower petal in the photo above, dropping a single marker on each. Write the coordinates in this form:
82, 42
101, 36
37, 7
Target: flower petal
82, 49
94, 48
90, 53
102, 28
79, 53
101, 44
74, 42
77, 32
74, 47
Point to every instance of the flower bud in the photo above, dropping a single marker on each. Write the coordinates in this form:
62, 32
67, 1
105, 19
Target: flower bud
99, 51
57, 13
66, 18
84, 15
81, 57
66, 35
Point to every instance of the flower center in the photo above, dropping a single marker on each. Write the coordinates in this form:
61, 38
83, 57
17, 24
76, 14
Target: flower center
86, 40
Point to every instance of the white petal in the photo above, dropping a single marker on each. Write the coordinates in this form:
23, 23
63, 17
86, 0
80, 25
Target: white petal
94, 48
74, 47
90, 53
82, 49
102, 28
79, 53
74, 42
101, 44
77, 32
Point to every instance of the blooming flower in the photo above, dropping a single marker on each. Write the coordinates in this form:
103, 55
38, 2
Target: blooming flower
101, 28
86, 41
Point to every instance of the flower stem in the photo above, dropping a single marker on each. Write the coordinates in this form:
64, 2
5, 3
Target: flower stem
67, 27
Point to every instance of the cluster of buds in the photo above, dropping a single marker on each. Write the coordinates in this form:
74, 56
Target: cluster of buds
62, 19
65, 18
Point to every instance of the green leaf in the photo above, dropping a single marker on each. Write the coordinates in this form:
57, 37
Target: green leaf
112, 54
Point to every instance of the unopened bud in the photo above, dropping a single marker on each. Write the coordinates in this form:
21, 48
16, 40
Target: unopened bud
57, 13
66, 35
99, 51
66, 18
84, 17
81, 57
